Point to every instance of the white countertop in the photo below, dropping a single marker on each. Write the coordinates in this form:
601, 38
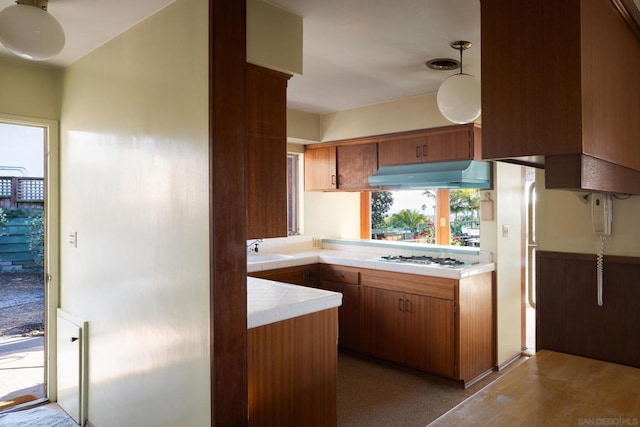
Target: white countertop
366, 260
270, 302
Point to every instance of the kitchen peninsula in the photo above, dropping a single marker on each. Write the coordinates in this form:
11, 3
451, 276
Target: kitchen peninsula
292, 354
434, 318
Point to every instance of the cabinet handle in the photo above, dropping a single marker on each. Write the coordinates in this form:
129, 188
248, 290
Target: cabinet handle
424, 150
339, 275
400, 304
418, 151
407, 306
333, 180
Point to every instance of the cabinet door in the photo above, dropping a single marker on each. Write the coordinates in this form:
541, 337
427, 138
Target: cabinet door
383, 324
348, 313
430, 344
402, 151
293, 275
450, 145
267, 153
320, 169
355, 164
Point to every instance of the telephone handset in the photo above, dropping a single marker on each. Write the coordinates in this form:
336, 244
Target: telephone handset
601, 213
602, 219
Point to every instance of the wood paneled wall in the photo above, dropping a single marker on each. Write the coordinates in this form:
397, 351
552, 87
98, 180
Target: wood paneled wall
569, 319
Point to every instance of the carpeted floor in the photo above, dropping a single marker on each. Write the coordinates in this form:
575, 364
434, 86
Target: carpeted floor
372, 394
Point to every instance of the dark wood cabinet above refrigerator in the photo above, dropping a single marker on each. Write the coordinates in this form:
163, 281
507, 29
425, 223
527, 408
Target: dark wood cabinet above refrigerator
560, 90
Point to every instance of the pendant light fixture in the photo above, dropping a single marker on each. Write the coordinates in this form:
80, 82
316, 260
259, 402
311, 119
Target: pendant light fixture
29, 31
459, 95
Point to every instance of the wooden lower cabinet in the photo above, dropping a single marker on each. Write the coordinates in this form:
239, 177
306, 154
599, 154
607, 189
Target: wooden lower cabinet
436, 325
292, 371
304, 275
348, 313
412, 330
345, 280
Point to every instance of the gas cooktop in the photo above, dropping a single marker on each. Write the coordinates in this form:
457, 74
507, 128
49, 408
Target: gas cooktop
444, 262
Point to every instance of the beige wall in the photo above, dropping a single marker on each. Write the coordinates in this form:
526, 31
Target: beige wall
330, 214
274, 37
28, 89
564, 223
134, 178
508, 201
302, 127
418, 112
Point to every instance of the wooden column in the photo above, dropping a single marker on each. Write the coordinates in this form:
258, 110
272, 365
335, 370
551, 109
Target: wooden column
443, 229
365, 215
227, 223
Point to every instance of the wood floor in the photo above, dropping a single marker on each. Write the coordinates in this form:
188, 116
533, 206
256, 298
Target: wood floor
554, 389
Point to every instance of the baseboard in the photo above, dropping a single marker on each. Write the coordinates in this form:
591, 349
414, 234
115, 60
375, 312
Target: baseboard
509, 361
472, 381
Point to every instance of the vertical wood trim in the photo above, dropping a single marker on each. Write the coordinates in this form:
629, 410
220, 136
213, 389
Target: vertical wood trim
523, 259
228, 192
365, 215
443, 232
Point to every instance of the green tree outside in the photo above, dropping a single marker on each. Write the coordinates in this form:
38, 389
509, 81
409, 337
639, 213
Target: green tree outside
408, 218
381, 202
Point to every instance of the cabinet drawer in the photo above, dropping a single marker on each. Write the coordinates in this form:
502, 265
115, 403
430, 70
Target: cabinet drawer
334, 273
436, 287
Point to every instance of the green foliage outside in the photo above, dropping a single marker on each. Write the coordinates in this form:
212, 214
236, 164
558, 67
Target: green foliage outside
36, 237
34, 219
3, 220
407, 218
381, 202
464, 201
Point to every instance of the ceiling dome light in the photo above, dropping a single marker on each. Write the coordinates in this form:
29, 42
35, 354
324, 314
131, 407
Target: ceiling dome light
29, 31
459, 95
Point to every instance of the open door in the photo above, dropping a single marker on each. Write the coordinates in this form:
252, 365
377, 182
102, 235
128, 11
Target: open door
29, 197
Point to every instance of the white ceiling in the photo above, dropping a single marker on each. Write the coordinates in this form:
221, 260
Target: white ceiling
361, 52
356, 52
90, 23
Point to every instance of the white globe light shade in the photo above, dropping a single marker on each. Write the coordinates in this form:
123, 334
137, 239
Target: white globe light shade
30, 32
459, 98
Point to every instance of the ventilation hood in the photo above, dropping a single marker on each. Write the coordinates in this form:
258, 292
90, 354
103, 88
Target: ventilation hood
460, 174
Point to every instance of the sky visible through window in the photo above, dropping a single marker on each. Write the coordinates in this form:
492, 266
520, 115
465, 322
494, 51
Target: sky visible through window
21, 150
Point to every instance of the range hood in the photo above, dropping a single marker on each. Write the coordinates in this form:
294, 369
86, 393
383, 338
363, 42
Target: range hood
460, 174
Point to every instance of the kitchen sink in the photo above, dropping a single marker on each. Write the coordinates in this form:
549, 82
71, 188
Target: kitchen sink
251, 259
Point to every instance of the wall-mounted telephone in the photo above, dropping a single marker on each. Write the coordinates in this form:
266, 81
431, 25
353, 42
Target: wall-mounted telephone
601, 213
602, 219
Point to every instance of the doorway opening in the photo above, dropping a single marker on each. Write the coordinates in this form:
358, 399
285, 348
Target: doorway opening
24, 148
529, 317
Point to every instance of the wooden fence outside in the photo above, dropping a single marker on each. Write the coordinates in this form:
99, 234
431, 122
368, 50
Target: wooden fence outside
21, 192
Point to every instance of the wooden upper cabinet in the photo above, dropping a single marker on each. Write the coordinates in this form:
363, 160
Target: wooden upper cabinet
340, 167
433, 145
402, 151
267, 153
565, 98
355, 163
320, 169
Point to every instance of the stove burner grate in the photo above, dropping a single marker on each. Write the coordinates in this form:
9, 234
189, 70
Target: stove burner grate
425, 260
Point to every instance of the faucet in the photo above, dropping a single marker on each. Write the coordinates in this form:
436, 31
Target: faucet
252, 247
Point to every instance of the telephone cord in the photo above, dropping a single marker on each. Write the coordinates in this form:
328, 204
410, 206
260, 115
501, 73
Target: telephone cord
600, 267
